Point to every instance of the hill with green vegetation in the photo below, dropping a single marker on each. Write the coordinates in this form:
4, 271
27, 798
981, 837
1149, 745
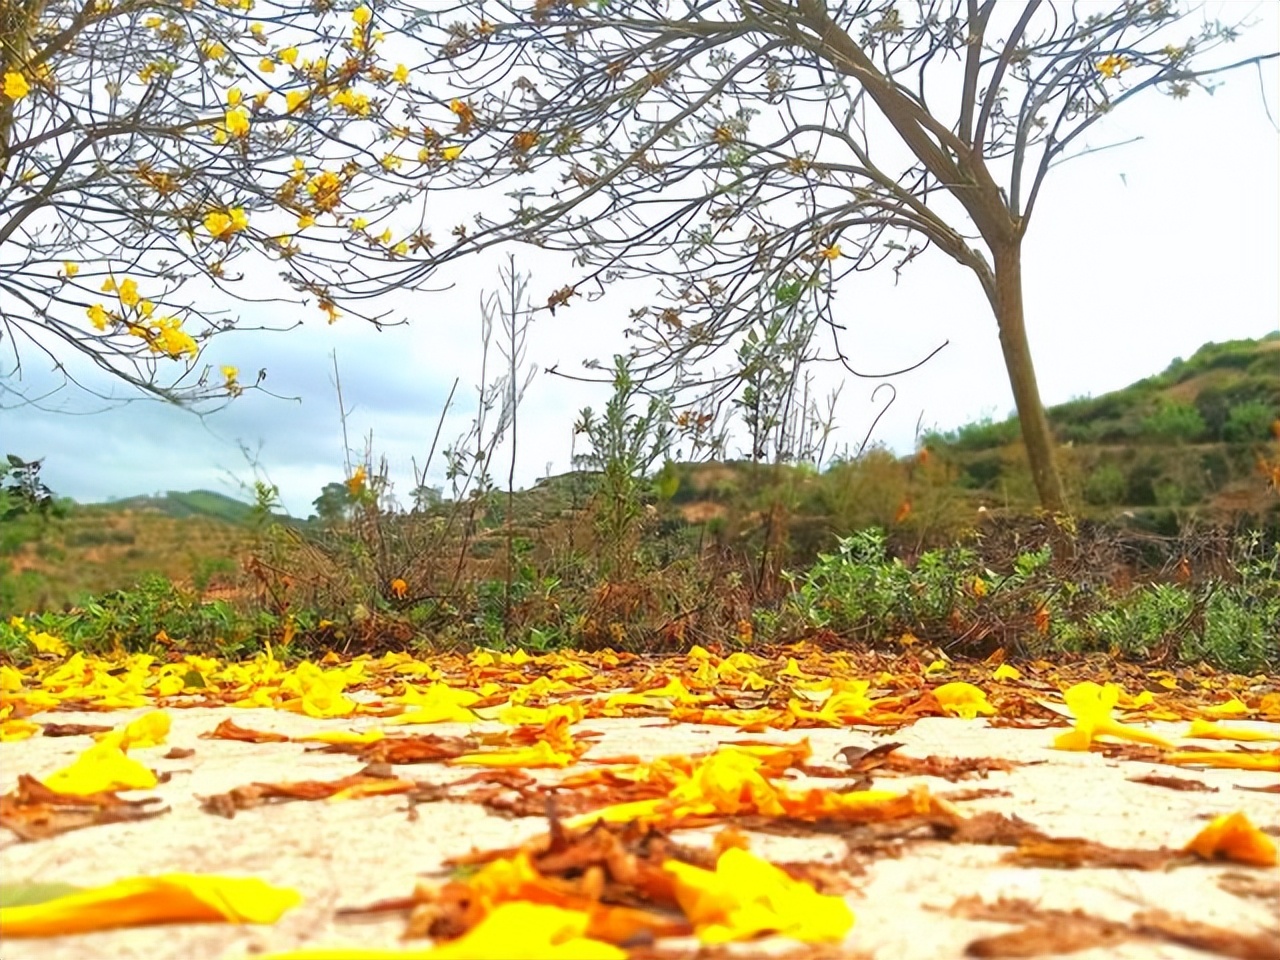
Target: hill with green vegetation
1189, 439
181, 505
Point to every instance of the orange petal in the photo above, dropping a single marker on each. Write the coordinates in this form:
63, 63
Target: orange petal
1233, 837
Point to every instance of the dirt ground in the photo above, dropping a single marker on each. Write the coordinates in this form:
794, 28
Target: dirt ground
350, 853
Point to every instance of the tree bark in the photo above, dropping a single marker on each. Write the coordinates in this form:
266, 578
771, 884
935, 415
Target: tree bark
1036, 435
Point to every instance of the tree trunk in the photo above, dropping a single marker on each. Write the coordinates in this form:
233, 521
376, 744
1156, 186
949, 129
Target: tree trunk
1022, 377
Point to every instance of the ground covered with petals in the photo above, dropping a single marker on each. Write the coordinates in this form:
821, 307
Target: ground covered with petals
789, 801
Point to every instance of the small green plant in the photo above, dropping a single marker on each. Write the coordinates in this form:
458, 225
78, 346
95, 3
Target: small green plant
625, 446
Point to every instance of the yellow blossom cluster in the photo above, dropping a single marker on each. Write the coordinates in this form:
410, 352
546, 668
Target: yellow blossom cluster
163, 335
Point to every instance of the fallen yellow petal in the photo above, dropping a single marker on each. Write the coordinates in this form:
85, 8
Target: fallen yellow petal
541, 754
141, 901
343, 736
103, 766
517, 930
149, 730
1233, 837
17, 730
964, 700
1210, 730
1225, 759
745, 897
1232, 708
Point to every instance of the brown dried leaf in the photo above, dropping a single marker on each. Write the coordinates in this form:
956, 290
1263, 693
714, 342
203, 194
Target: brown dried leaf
1269, 788
992, 828
863, 759
1173, 783
34, 812
423, 748
73, 729
1207, 937
230, 730
179, 753
255, 794
1077, 852
1253, 884
1066, 934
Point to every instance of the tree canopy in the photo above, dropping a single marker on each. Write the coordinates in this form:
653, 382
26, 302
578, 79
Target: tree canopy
160, 159
750, 157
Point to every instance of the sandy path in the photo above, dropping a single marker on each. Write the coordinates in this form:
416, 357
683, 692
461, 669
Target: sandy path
353, 852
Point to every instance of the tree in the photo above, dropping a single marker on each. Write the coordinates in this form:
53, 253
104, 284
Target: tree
750, 155
334, 502
159, 157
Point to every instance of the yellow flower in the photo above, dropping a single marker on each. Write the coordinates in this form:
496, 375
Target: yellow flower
359, 223
1091, 705
267, 65
237, 122
832, 252
69, 268
129, 293
98, 316
1113, 65
306, 220
361, 15
401, 74
223, 225
234, 96
109, 285
451, 154
169, 338
16, 86
230, 374
294, 100
963, 700
289, 55
390, 161
355, 483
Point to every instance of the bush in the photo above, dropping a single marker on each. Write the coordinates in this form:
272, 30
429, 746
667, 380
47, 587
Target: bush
1174, 422
1249, 422
1106, 486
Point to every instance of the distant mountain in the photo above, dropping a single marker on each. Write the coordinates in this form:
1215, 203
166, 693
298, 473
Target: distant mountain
184, 504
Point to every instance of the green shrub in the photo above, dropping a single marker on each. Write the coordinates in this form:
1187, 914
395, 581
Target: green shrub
1106, 486
1249, 422
1174, 422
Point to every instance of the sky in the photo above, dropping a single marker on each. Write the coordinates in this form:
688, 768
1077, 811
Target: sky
1135, 256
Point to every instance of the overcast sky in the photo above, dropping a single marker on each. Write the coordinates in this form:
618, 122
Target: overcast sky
1135, 256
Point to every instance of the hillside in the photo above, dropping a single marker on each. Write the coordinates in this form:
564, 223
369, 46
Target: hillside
180, 505
1186, 442
1189, 438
